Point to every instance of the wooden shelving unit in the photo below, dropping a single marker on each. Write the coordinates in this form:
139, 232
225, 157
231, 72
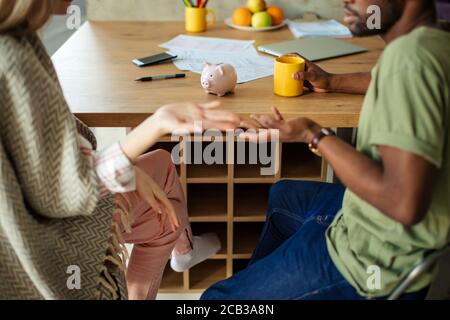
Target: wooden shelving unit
230, 199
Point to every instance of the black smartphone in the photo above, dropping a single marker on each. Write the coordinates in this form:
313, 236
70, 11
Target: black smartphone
155, 59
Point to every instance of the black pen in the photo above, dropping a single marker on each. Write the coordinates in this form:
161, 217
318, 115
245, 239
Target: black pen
169, 76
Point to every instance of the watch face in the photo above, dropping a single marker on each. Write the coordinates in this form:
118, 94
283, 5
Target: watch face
314, 150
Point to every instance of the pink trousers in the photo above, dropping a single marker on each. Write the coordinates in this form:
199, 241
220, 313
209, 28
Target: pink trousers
152, 237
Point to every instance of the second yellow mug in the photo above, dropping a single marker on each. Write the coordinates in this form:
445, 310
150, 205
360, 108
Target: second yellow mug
197, 19
284, 83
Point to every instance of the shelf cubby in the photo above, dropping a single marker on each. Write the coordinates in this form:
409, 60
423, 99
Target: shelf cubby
298, 163
246, 236
202, 170
207, 202
248, 168
207, 273
250, 202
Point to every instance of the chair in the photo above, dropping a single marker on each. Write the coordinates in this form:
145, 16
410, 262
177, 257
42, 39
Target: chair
431, 260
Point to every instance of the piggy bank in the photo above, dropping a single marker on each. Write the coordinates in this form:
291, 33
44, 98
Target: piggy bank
219, 79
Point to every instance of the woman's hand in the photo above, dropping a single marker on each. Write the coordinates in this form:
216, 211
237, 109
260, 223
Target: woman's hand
176, 118
316, 79
152, 193
296, 130
191, 117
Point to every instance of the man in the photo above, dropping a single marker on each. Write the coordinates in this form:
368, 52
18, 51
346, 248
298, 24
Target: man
322, 241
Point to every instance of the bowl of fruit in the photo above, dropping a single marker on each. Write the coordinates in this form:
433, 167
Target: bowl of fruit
257, 16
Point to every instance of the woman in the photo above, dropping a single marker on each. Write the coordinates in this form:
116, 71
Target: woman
61, 226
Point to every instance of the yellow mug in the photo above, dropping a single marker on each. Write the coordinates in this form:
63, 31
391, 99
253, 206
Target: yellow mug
284, 83
197, 19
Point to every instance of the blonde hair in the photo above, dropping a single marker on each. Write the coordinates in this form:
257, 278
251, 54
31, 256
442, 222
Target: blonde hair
22, 17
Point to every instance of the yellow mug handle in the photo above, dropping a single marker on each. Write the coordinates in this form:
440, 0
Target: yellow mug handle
210, 13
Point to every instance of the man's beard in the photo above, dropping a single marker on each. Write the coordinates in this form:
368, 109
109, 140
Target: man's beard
391, 12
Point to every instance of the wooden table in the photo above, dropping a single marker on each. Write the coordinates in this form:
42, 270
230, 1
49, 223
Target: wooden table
96, 73
229, 199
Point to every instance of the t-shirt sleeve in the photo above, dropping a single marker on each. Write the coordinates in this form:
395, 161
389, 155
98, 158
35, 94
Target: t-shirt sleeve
409, 113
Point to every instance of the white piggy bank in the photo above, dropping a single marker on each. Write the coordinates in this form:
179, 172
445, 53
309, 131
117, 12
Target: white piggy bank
219, 79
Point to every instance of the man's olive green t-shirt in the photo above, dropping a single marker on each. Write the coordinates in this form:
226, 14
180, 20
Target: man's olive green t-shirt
407, 106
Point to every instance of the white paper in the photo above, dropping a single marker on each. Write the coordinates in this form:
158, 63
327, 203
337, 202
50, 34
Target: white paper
193, 52
329, 28
183, 42
248, 67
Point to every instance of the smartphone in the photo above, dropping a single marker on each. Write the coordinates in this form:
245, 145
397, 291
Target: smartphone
155, 59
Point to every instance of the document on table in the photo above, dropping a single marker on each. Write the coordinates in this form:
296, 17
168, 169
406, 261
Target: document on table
193, 52
329, 28
248, 67
183, 42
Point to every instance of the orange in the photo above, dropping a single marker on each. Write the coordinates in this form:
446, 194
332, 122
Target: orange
277, 14
242, 17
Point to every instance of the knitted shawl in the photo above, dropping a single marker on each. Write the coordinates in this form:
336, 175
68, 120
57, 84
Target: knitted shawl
55, 230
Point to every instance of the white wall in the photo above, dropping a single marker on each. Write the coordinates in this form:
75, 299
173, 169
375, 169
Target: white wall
147, 10
55, 33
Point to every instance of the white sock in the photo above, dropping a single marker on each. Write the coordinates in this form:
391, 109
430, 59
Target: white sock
205, 246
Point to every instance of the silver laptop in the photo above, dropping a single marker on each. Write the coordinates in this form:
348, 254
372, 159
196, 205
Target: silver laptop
313, 49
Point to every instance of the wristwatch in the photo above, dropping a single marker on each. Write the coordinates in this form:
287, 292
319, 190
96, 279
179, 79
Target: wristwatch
314, 144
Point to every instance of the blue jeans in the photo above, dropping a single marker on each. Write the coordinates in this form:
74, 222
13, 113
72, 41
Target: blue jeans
291, 260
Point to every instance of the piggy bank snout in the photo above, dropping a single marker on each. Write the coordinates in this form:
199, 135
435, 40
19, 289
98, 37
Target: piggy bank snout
206, 81
206, 84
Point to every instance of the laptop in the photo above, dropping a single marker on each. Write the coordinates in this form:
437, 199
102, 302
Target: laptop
313, 49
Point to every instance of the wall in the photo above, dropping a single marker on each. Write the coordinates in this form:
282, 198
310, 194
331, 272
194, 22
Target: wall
55, 33
144, 10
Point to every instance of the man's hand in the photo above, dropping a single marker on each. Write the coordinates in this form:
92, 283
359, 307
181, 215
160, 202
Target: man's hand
316, 79
296, 130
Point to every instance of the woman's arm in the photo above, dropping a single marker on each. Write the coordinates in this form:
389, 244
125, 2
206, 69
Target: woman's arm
181, 118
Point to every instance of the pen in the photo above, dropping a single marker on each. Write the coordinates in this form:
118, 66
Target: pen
164, 77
